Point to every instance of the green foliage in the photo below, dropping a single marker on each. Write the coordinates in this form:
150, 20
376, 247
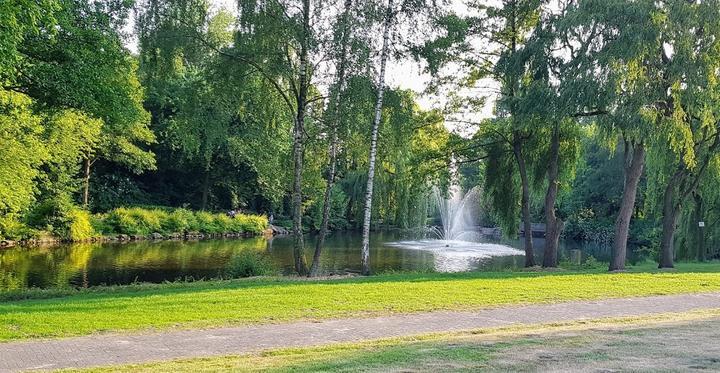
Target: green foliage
143, 222
60, 217
22, 151
338, 208
249, 263
20, 19
11, 228
80, 226
502, 184
135, 221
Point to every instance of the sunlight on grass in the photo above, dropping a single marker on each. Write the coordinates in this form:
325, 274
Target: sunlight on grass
209, 304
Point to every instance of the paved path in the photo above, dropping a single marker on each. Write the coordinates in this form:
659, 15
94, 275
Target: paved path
111, 349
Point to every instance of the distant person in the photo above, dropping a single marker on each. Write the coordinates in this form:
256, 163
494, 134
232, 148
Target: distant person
232, 214
271, 218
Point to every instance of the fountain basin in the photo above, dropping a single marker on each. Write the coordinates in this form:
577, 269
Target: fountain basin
457, 255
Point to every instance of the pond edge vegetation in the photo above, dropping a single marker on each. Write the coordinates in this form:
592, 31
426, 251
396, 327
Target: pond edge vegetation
133, 224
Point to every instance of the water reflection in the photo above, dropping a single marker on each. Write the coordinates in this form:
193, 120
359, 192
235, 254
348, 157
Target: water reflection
83, 265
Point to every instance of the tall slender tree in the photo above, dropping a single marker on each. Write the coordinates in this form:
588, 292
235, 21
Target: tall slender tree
342, 47
384, 54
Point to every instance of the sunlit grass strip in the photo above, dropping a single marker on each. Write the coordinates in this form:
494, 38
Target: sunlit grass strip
225, 303
294, 359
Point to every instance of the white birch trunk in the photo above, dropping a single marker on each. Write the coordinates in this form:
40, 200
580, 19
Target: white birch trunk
365, 254
298, 247
339, 86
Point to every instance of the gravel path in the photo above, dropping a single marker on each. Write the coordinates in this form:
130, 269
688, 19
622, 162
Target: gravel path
110, 349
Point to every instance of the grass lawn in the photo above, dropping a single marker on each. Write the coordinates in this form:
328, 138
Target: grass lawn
207, 304
648, 344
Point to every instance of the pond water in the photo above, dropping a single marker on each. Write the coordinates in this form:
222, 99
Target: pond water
88, 264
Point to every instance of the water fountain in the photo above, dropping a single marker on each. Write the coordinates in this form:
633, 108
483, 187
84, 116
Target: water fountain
458, 214
457, 246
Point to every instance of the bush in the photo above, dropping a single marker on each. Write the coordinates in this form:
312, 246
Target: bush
79, 226
143, 222
179, 221
62, 218
135, 221
99, 226
206, 223
250, 263
121, 221
11, 228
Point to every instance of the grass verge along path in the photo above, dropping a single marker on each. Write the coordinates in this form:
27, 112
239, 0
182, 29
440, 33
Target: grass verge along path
242, 302
661, 342
111, 349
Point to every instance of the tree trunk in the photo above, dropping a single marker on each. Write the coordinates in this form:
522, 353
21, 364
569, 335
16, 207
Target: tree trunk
677, 190
700, 235
365, 253
634, 163
86, 182
525, 204
205, 190
339, 86
553, 224
298, 131
671, 211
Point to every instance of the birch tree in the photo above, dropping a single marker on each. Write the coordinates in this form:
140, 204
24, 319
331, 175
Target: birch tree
342, 45
384, 52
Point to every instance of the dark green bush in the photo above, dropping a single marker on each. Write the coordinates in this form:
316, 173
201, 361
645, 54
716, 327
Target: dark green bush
62, 218
250, 263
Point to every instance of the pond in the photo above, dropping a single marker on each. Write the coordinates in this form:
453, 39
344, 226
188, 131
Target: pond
92, 264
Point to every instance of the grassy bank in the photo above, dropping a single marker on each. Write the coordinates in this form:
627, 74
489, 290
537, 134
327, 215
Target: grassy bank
207, 304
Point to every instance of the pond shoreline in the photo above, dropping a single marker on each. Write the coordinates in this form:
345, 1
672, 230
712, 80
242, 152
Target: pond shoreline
128, 238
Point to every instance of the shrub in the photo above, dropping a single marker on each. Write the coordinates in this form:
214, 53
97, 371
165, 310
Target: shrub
178, 221
206, 223
252, 223
62, 218
121, 221
140, 221
136, 221
79, 225
11, 228
99, 225
250, 263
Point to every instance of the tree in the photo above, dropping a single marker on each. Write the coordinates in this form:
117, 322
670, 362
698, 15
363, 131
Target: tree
20, 19
342, 45
384, 52
687, 113
488, 46
612, 48
83, 65
22, 151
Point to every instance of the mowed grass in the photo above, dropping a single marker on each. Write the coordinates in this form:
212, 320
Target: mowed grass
220, 303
